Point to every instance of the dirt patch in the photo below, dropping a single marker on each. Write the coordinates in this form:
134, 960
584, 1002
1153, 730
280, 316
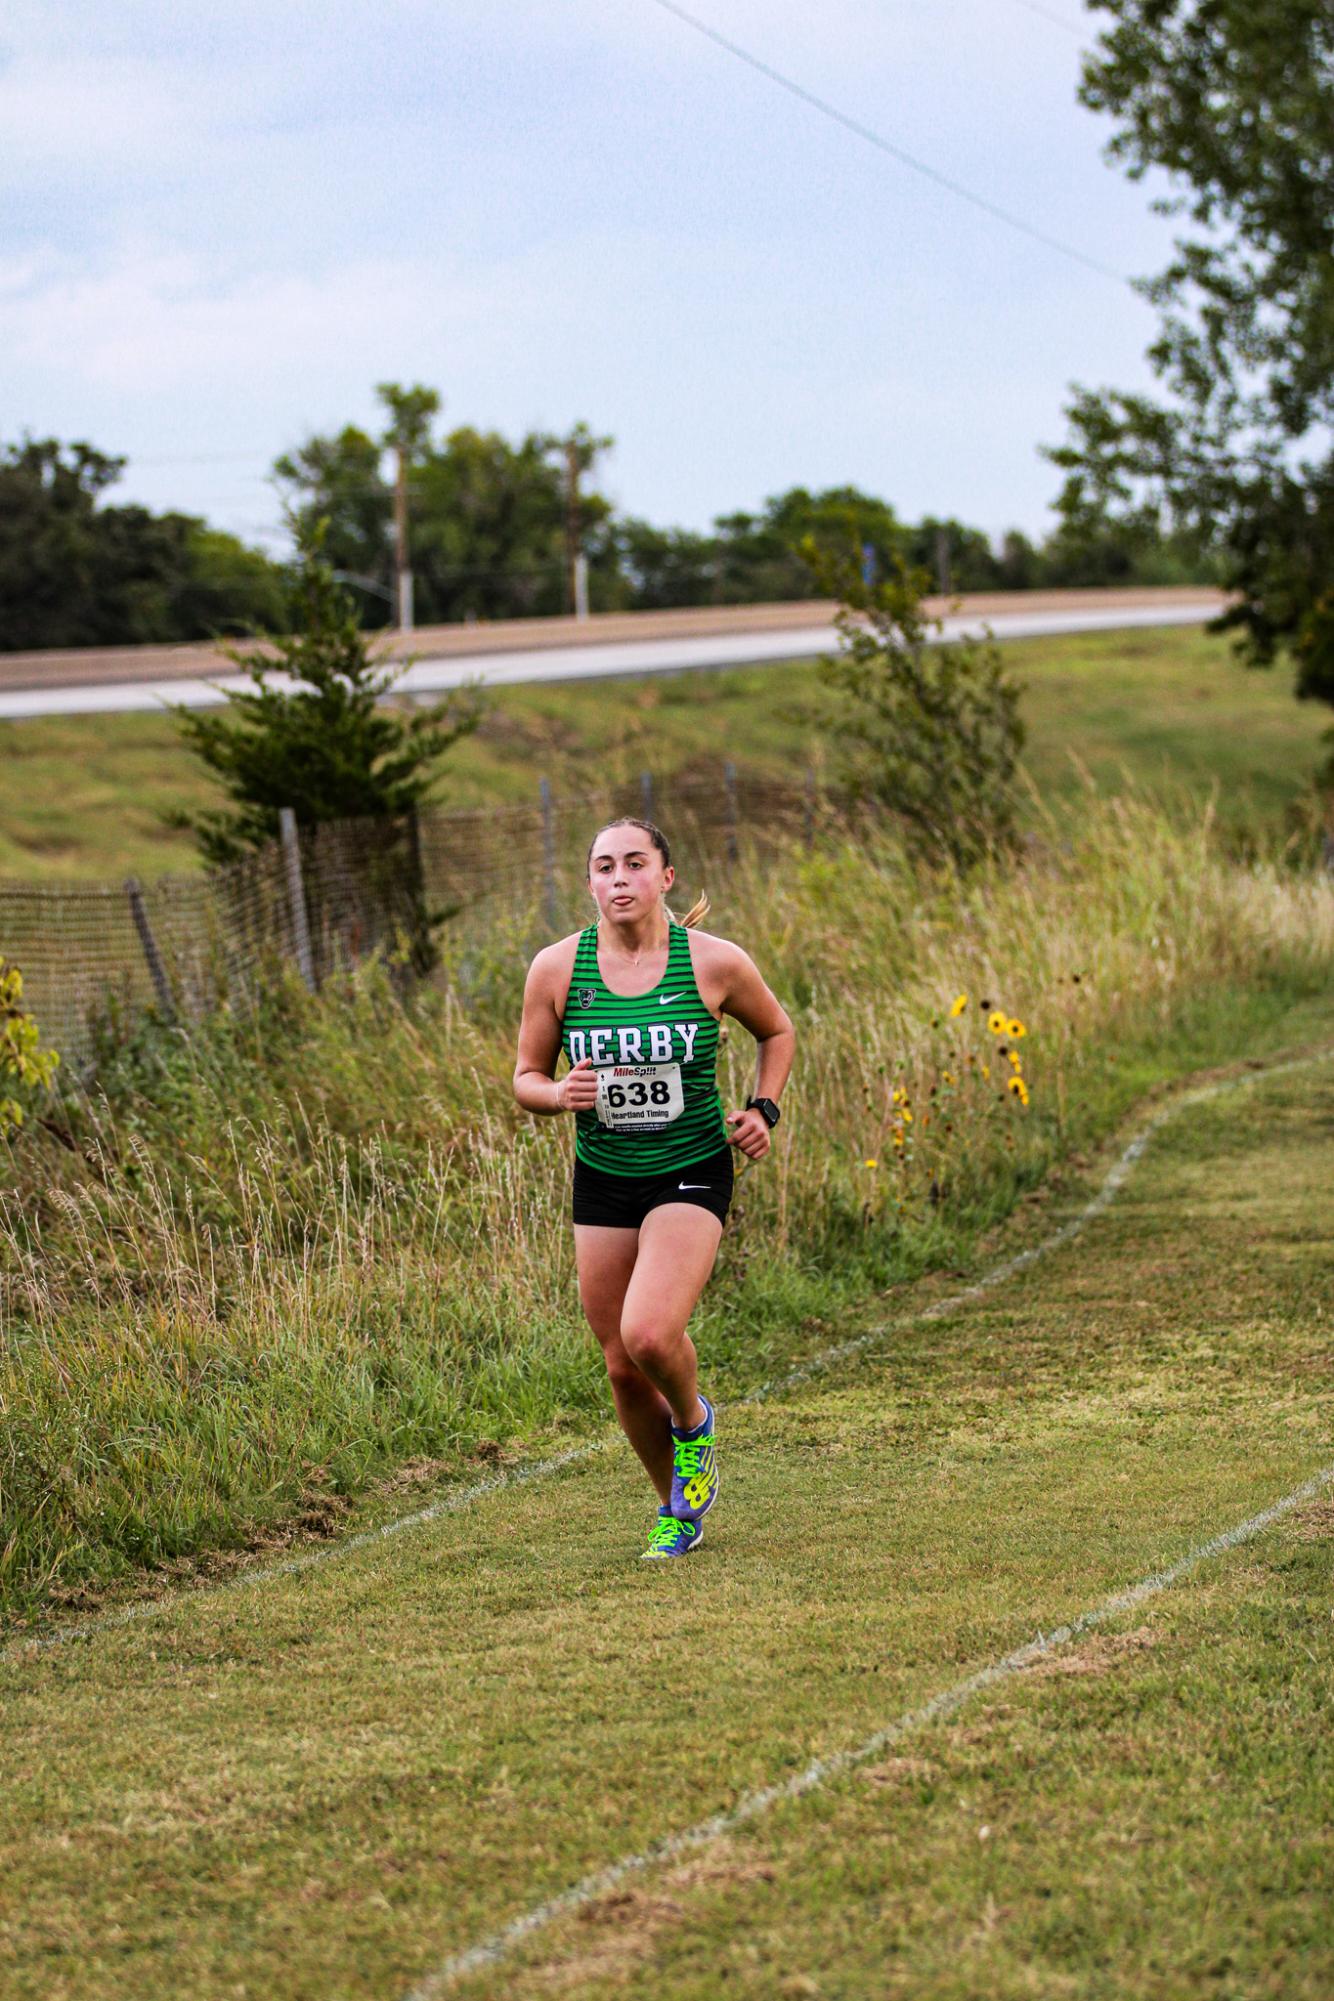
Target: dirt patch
626, 1923
1315, 1522
415, 1473
900, 1771
1096, 1656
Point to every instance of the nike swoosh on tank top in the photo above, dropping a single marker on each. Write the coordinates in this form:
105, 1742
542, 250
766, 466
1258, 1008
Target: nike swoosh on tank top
649, 1034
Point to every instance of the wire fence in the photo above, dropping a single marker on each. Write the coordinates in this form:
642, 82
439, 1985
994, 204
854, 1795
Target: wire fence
324, 898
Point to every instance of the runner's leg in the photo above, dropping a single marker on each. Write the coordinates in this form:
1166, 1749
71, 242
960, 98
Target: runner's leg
605, 1258
678, 1242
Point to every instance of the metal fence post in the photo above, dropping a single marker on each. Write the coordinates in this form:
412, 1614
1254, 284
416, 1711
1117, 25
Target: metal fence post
646, 793
549, 853
733, 817
296, 895
156, 970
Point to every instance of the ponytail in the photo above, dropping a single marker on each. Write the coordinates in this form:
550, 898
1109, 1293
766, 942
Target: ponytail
699, 909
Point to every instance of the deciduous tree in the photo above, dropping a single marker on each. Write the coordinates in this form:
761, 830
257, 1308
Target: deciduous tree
1234, 100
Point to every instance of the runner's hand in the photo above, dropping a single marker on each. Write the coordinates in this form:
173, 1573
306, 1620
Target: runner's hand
750, 1131
577, 1090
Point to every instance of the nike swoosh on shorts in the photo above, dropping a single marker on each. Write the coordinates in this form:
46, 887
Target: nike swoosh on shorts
665, 1000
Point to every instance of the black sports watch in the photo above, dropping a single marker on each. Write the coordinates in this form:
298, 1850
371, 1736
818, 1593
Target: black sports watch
766, 1108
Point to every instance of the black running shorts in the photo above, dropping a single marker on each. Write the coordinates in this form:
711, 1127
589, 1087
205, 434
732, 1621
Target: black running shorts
623, 1200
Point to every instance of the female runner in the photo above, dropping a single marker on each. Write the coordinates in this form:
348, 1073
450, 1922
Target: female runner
634, 1002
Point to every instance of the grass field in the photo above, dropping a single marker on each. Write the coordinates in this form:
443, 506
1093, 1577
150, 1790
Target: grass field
288, 1332
81, 796
334, 1782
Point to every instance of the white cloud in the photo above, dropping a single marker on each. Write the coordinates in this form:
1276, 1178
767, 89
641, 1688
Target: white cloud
64, 117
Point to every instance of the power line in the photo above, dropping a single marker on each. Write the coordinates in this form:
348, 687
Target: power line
1050, 14
888, 146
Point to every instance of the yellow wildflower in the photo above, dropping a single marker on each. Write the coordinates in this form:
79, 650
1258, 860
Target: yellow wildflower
946, 1077
958, 1007
1015, 1063
996, 1023
1015, 1084
907, 1115
871, 1163
1016, 1029
986, 1069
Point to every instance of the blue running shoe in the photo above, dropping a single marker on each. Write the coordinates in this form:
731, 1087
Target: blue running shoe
694, 1469
672, 1538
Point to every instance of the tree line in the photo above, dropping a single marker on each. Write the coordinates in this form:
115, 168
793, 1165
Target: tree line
492, 525
1227, 476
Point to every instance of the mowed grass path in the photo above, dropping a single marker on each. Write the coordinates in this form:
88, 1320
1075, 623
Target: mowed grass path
328, 1784
82, 795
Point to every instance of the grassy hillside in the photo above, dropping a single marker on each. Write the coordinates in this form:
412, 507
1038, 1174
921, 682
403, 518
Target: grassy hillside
80, 796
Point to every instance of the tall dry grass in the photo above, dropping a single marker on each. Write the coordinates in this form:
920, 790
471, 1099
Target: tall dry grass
282, 1251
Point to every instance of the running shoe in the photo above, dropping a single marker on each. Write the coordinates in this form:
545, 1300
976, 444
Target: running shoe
671, 1538
694, 1469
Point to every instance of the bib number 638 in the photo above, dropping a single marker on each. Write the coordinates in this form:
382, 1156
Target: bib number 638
640, 1097
639, 1093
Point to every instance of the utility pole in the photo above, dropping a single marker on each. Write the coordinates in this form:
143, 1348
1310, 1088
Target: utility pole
572, 470
580, 451
943, 560
410, 413
402, 556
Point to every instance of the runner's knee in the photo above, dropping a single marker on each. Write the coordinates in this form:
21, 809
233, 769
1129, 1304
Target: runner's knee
624, 1375
648, 1342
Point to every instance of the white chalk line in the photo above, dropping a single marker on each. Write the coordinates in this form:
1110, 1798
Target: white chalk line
828, 1358
819, 1773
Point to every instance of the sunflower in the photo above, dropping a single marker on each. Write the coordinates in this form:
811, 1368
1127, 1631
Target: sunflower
870, 1163
1016, 1029
958, 1007
996, 1022
1015, 1084
946, 1077
1015, 1063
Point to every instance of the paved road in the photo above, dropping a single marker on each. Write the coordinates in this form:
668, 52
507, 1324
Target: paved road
122, 679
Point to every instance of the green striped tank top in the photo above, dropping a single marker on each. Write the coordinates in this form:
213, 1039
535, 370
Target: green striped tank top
659, 1107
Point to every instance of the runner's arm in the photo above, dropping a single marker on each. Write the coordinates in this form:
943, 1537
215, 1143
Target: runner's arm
539, 1050
757, 1008
752, 1002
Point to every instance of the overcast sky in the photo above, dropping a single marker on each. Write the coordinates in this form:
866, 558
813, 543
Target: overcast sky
222, 224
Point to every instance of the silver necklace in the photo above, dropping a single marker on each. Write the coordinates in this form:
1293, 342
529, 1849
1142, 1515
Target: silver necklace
638, 956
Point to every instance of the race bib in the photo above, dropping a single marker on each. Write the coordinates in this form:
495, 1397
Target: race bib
639, 1097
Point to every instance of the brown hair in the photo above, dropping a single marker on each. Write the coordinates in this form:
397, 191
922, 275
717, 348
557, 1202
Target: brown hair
698, 909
